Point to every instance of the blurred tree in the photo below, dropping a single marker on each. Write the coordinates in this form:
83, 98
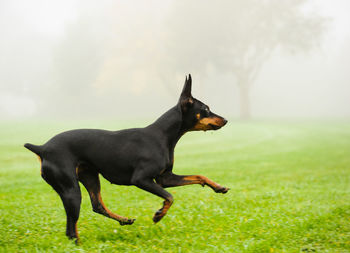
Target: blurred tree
238, 36
104, 56
76, 62
117, 49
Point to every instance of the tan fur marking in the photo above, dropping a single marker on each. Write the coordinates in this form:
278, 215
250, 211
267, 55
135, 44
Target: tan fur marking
111, 214
204, 124
166, 205
201, 180
162, 212
76, 232
41, 172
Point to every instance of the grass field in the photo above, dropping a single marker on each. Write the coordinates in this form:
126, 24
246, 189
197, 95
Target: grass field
290, 192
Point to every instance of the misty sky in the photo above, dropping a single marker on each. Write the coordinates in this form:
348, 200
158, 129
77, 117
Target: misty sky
50, 49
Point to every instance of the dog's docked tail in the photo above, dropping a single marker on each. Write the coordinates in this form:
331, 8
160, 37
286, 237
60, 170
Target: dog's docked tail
34, 148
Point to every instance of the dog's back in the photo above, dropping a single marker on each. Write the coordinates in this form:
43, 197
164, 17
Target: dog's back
142, 157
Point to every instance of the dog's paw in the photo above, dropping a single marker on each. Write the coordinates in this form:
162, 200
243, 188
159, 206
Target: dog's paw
158, 216
126, 222
222, 190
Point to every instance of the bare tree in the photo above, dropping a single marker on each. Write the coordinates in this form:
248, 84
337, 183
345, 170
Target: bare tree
238, 36
103, 57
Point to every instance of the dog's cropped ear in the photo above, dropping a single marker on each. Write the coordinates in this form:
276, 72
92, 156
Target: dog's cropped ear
186, 90
186, 99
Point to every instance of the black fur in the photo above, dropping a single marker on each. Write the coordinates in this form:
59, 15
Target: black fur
142, 157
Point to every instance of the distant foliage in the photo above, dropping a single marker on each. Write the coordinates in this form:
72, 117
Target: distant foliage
118, 50
238, 36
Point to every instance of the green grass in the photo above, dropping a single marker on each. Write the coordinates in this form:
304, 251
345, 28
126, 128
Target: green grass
290, 192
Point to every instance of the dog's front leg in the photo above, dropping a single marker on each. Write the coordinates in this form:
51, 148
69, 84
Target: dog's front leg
168, 179
149, 185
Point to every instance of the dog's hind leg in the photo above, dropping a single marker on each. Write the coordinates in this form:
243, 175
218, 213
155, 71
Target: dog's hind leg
63, 180
89, 178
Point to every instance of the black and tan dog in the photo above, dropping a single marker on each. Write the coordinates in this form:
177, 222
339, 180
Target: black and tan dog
143, 157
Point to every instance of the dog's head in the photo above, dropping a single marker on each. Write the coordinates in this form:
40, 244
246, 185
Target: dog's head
197, 115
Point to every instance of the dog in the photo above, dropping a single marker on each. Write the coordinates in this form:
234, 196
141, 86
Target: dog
143, 157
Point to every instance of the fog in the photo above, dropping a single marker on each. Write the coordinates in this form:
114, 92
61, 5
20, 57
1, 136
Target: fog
128, 59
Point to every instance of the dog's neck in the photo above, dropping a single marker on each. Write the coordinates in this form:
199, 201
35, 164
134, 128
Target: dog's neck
170, 125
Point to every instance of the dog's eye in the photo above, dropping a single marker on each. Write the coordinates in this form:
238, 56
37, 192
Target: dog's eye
206, 112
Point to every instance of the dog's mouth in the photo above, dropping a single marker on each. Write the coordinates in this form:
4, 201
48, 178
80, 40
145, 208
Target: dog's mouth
213, 123
214, 127
220, 124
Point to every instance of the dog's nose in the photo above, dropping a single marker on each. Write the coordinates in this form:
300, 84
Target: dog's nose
224, 122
